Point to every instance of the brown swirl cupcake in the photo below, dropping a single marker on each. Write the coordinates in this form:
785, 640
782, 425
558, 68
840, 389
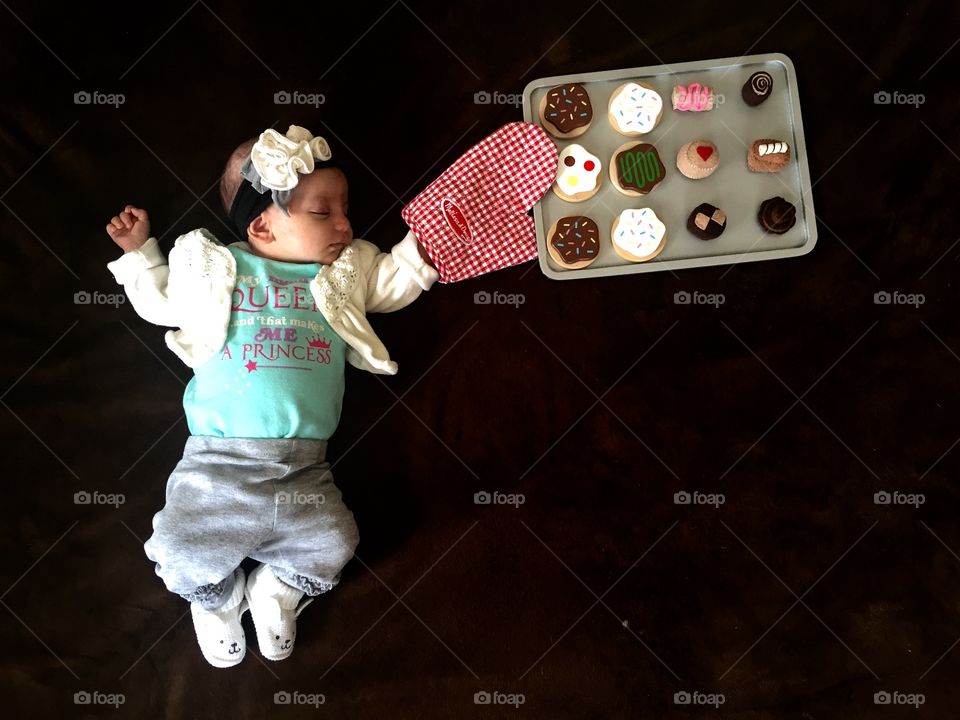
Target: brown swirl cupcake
776, 215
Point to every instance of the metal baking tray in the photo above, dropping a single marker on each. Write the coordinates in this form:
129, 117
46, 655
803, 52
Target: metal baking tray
731, 126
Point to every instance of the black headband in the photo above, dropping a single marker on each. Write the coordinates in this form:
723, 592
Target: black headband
250, 202
247, 205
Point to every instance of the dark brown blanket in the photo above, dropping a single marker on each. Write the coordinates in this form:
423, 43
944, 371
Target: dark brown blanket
798, 399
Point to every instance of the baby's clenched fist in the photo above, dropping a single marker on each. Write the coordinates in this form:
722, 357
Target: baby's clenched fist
130, 229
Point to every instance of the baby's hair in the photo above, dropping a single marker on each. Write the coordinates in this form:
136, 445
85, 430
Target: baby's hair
231, 179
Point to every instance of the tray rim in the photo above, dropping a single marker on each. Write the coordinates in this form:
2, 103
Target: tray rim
806, 195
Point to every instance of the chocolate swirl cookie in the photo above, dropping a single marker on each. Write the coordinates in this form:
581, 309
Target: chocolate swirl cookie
757, 88
574, 241
567, 108
776, 215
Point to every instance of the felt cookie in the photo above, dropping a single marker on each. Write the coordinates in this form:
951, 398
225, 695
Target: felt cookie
638, 235
757, 88
777, 215
566, 111
636, 168
634, 109
474, 219
574, 242
698, 159
578, 174
768, 155
707, 221
693, 97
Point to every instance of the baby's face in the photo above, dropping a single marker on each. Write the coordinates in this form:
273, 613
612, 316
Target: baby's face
317, 228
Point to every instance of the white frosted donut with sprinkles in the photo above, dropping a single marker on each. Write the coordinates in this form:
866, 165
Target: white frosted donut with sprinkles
578, 174
635, 109
638, 235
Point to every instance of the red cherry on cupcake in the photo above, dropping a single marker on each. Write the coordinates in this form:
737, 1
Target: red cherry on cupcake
588, 165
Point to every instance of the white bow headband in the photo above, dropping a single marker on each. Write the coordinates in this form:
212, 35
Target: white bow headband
277, 161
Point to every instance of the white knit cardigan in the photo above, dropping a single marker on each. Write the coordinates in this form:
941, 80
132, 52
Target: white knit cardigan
194, 292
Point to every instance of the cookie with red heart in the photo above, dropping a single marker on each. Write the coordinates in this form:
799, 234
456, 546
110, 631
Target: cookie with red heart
698, 159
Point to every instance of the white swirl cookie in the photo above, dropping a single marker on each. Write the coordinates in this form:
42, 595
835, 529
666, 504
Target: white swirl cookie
634, 109
638, 235
578, 174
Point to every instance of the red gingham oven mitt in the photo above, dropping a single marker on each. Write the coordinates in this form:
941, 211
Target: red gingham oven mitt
473, 218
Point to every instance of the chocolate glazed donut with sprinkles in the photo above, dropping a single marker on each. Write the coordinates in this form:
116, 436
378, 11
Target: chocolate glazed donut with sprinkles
566, 110
574, 242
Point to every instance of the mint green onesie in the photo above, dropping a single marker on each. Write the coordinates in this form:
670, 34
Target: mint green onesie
280, 373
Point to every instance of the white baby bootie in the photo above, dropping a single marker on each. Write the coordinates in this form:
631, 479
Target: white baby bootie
219, 633
273, 605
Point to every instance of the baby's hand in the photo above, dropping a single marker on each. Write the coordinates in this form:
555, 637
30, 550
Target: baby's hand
130, 229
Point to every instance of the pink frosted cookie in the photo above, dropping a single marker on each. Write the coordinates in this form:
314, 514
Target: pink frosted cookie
694, 97
634, 109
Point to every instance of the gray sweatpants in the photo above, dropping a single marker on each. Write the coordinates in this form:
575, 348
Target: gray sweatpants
270, 500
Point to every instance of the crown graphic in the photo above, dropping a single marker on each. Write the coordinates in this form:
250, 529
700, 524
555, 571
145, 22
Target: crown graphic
318, 343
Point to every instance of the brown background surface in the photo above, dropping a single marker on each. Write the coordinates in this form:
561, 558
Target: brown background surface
798, 399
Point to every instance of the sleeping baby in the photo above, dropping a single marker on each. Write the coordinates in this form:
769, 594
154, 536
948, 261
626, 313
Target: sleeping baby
268, 326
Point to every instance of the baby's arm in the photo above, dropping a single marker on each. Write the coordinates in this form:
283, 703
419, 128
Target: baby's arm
143, 271
397, 278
